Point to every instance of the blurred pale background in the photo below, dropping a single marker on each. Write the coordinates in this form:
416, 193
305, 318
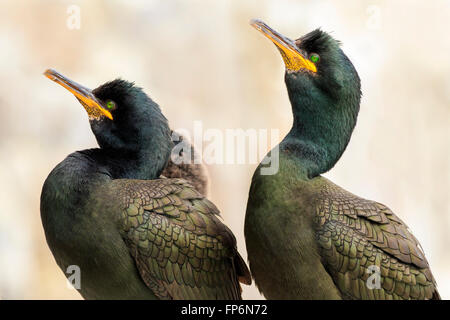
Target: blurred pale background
202, 61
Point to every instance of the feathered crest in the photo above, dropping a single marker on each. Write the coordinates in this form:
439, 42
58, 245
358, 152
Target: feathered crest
317, 41
115, 88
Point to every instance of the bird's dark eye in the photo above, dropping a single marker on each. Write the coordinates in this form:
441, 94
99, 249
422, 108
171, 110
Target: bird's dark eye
110, 105
314, 57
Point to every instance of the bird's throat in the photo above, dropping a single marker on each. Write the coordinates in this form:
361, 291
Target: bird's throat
311, 158
317, 139
128, 165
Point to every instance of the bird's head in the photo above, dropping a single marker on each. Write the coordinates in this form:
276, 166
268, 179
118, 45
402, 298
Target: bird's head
124, 120
323, 87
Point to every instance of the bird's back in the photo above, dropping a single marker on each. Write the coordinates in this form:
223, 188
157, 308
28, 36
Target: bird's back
368, 250
310, 239
138, 239
182, 250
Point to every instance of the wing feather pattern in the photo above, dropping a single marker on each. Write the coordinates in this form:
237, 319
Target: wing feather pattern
358, 237
181, 248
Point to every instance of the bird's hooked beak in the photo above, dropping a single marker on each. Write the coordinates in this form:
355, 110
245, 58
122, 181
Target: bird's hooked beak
84, 95
292, 56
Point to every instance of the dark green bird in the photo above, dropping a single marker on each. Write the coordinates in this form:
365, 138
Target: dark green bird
133, 234
306, 237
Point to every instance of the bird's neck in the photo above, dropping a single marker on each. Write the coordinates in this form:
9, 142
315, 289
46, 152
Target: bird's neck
320, 133
311, 158
143, 165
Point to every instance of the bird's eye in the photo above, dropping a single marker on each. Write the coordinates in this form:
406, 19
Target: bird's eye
314, 57
111, 105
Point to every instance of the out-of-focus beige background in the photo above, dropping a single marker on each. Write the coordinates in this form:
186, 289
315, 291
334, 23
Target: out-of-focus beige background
200, 60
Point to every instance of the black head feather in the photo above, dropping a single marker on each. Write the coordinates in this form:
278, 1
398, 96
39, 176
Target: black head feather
138, 132
317, 41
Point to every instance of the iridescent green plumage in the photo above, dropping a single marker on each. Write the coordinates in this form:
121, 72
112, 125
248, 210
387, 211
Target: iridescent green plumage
132, 233
181, 249
306, 237
354, 234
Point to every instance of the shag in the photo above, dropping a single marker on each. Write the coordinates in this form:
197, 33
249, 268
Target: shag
306, 237
132, 233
